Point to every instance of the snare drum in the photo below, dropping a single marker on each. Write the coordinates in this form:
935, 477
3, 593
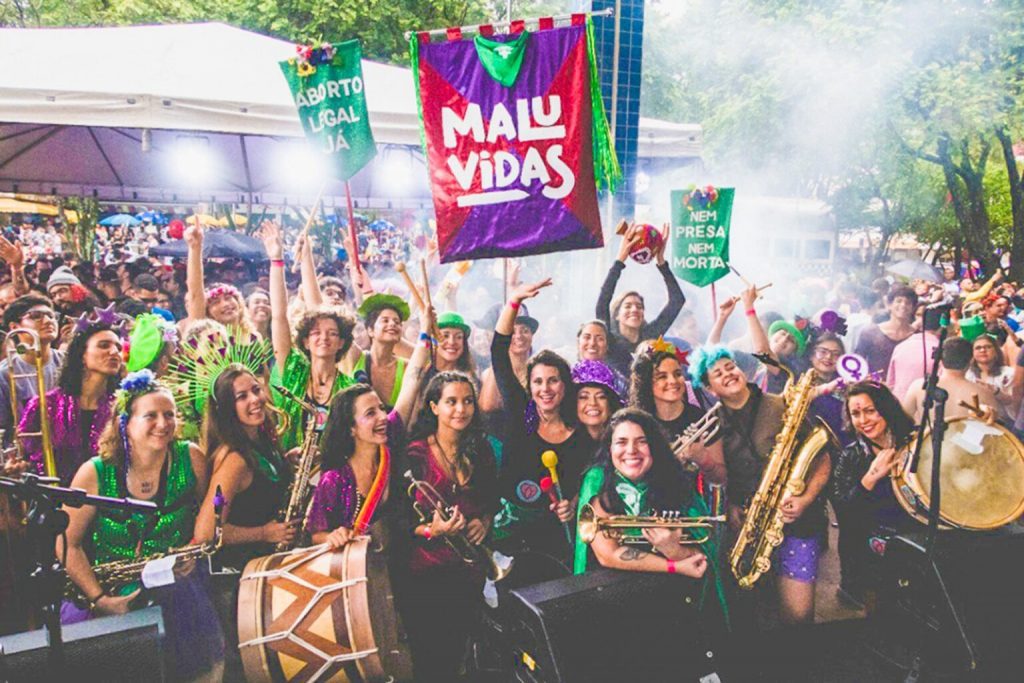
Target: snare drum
982, 477
319, 615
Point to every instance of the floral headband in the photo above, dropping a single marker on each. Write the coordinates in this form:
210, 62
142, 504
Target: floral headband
222, 290
134, 384
659, 345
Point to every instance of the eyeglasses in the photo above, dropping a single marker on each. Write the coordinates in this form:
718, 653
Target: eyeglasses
826, 353
36, 316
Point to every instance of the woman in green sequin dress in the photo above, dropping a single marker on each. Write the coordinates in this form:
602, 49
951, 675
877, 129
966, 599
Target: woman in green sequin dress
140, 458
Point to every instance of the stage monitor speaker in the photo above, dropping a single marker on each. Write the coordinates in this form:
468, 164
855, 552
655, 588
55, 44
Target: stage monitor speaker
611, 626
125, 648
960, 611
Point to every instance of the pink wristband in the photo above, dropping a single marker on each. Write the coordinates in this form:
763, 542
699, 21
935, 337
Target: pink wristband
671, 566
277, 262
426, 532
751, 311
514, 305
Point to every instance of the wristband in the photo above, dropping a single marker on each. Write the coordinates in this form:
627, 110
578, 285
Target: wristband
514, 305
671, 566
278, 262
751, 311
426, 532
94, 601
424, 336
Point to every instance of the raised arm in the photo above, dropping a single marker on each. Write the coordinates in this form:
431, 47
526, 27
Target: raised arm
195, 294
676, 298
725, 309
758, 337
310, 287
418, 363
12, 254
280, 331
604, 298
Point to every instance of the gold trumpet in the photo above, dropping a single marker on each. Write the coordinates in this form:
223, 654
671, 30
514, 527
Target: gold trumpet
15, 345
616, 527
470, 553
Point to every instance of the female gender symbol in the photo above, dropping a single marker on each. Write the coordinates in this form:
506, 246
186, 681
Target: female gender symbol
852, 368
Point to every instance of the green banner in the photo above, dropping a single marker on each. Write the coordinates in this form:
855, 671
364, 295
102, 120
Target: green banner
699, 244
327, 84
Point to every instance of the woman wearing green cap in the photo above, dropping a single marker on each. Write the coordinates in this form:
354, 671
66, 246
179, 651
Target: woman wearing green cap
381, 367
452, 351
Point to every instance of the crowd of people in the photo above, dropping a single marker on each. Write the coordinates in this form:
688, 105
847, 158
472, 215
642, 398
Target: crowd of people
162, 384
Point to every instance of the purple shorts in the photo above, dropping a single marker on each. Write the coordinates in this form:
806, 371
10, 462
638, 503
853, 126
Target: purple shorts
797, 559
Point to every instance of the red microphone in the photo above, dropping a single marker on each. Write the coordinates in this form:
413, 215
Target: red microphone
548, 487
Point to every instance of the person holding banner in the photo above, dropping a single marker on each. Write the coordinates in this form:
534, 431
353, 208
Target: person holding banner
449, 451
541, 418
624, 317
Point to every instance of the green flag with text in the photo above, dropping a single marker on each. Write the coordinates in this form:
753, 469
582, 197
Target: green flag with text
699, 243
327, 85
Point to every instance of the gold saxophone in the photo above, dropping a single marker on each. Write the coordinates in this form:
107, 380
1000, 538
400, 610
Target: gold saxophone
786, 471
112, 576
299, 493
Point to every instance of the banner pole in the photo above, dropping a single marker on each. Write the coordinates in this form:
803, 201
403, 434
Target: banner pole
714, 303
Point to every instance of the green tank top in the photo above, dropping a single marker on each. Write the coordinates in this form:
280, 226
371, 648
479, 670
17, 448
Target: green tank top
363, 362
119, 536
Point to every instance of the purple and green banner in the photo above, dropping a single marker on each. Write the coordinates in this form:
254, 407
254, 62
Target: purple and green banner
516, 141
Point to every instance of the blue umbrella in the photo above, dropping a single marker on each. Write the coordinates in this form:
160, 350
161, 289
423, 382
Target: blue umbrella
120, 219
381, 224
154, 217
217, 244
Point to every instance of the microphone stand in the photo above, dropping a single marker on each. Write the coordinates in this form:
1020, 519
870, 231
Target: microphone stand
46, 522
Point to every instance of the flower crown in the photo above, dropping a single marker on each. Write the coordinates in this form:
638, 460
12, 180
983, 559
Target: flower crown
659, 345
308, 57
101, 316
700, 198
222, 290
134, 384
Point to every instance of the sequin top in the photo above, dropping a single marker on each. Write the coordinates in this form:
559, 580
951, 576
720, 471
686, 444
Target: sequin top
120, 536
295, 378
65, 432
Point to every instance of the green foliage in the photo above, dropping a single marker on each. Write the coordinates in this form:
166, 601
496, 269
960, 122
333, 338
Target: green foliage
81, 237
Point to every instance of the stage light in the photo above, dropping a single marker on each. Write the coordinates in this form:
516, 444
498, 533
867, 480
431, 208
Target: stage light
393, 172
191, 161
297, 166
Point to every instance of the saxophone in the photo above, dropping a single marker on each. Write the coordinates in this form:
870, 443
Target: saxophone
786, 471
299, 492
112, 576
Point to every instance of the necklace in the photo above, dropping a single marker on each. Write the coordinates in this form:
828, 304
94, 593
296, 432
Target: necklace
449, 465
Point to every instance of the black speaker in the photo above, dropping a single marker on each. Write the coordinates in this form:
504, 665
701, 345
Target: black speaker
125, 648
611, 626
957, 612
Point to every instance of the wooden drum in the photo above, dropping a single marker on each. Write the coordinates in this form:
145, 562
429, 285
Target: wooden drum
319, 615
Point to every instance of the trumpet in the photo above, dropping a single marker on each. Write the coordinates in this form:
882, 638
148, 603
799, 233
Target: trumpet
13, 346
704, 429
470, 553
617, 527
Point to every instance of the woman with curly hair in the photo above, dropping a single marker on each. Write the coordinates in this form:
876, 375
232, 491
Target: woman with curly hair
309, 368
141, 458
449, 451
658, 387
78, 408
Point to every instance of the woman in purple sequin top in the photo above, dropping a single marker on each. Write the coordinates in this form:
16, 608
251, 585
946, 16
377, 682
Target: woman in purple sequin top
78, 409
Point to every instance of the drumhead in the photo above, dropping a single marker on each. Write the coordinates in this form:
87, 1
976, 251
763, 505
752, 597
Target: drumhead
982, 475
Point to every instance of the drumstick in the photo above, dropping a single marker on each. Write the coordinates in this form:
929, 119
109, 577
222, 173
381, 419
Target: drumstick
974, 407
426, 281
759, 289
309, 221
737, 273
400, 267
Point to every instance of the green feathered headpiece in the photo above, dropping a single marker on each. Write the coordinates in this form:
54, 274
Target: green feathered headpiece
199, 361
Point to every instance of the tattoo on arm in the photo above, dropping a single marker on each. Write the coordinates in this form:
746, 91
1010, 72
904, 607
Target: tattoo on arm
631, 554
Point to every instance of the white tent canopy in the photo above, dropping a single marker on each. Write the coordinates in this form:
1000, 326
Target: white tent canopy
98, 111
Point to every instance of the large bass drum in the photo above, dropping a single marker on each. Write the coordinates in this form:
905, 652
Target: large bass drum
318, 615
982, 477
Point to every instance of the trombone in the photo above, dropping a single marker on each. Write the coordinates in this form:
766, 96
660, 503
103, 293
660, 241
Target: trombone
15, 345
617, 527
